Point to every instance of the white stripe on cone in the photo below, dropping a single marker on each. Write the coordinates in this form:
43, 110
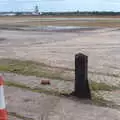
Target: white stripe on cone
2, 98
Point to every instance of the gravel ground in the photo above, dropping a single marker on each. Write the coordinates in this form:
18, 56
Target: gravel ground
35, 82
59, 86
58, 49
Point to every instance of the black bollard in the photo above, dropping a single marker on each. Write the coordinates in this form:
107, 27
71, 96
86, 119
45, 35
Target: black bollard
81, 77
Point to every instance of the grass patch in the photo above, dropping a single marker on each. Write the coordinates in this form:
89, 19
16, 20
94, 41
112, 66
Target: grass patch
101, 86
87, 23
38, 90
14, 84
100, 101
19, 116
32, 68
42, 70
94, 87
106, 74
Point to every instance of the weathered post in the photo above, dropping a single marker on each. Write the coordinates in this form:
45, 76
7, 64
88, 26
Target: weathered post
81, 77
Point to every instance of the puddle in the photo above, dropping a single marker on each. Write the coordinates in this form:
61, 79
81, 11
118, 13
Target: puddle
61, 28
50, 28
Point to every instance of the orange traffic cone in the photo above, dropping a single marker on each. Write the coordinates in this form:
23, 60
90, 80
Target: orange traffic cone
3, 112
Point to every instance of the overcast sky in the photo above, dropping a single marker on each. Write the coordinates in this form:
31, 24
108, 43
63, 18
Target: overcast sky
60, 5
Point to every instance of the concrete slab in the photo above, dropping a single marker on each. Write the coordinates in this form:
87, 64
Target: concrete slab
35, 106
74, 110
29, 104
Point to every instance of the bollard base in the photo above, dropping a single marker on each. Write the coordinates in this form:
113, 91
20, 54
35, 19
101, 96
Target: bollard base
86, 97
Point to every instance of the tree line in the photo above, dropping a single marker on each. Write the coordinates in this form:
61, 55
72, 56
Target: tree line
78, 13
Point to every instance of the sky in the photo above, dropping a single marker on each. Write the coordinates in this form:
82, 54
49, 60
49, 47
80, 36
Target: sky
60, 5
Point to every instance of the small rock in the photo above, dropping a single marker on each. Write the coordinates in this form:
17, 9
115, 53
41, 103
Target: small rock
45, 82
